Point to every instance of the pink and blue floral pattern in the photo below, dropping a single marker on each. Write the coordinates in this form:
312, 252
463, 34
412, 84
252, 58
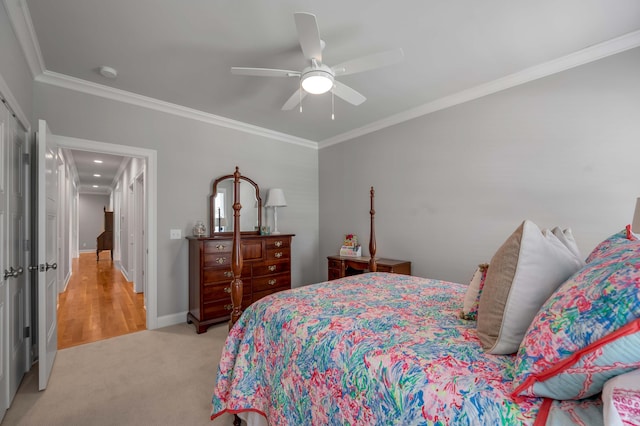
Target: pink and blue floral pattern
589, 330
370, 349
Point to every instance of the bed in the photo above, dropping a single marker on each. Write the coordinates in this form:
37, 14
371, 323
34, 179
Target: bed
382, 348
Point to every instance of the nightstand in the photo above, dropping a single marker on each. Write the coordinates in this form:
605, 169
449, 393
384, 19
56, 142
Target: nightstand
341, 266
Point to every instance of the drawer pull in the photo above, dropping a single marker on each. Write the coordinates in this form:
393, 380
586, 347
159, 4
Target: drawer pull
227, 290
228, 307
278, 255
221, 260
228, 274
278, 243
271, 282
272, 268
220, 247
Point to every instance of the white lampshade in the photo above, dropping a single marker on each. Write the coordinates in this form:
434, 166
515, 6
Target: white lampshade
275, 198
635, 225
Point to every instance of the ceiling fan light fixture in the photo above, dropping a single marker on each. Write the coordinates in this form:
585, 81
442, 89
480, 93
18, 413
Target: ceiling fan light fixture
317, 82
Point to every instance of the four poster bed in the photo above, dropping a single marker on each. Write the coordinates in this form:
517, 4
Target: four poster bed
382, 348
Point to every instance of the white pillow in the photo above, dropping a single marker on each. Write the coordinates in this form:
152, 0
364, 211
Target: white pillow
621, 400
524, 272
566, 237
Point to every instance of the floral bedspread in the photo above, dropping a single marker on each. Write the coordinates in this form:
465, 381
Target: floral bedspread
369, 349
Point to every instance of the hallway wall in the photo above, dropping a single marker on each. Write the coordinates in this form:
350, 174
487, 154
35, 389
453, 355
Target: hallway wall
91, 219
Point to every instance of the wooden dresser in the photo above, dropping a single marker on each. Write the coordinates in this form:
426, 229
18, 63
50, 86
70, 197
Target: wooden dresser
342, 266
266, 269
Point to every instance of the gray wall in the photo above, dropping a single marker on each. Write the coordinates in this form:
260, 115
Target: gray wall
13, 65
90, 219
452, 185
191, 155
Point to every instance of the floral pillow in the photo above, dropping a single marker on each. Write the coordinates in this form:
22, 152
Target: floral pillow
472, 296
588, 331
615, 243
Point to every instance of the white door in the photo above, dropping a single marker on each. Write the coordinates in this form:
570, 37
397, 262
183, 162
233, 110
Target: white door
4, 260
138, 242
17, 259
47, 162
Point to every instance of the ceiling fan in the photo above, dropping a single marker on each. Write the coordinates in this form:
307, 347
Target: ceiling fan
319, 78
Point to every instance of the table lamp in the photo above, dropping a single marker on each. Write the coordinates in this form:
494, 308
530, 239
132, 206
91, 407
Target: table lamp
275, 199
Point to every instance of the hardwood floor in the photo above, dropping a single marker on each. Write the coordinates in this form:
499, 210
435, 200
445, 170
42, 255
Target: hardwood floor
98, 303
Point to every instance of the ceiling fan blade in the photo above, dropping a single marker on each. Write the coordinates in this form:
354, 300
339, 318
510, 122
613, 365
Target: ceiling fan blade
294, 100
345, 92
366, 63
264, 72
309, 35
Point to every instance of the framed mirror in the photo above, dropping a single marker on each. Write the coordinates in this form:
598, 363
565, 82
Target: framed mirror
221, 206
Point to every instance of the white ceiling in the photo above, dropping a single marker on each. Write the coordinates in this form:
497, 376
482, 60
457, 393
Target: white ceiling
182, 51
86, 168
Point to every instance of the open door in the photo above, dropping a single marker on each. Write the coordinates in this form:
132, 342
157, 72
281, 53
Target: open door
47, 206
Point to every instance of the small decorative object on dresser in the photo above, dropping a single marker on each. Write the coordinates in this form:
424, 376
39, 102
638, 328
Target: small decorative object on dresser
199, 230
342, 266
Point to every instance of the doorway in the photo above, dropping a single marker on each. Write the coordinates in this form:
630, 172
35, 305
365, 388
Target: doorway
148, 213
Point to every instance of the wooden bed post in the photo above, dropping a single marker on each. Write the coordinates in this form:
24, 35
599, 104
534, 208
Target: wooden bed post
373, 266
236, 253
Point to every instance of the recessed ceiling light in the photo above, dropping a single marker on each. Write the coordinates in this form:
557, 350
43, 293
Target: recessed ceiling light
97, 161
96, 175
108, 72
95, 186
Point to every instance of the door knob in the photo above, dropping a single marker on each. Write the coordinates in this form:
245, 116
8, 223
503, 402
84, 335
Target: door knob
20, 270
10, 273
53, 266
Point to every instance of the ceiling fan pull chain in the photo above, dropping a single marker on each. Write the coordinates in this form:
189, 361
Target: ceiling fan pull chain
333, 117
300, 93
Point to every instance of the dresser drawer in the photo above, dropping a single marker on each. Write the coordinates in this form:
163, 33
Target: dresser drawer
276, 243
334, 274
278, 253
274, 267
221, 309
214, 275
218, 246
335, 264
271, 281
217, 260
222, 291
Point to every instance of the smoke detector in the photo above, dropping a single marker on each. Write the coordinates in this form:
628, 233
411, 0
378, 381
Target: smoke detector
108, 72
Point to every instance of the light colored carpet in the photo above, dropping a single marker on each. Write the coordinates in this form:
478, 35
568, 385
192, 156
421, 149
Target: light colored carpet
159, 377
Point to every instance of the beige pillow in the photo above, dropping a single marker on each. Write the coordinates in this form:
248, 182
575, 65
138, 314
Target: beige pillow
524, 272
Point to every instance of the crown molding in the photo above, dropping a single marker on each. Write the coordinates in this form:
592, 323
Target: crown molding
79, 85
22, 24
581, 57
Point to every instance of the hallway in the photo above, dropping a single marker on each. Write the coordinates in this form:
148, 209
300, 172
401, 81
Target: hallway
98, 303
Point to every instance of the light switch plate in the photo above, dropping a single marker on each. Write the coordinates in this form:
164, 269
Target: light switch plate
175, 234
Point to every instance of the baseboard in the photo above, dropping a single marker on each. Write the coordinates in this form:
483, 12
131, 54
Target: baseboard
87, 251
173, 319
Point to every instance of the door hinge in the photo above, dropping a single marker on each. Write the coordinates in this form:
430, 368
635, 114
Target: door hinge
27, 245
27, 332
26, 158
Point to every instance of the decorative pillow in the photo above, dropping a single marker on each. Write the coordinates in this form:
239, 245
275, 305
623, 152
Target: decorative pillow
609, 246
587, 332
621, 400
525, 270
472, 296
566, 237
